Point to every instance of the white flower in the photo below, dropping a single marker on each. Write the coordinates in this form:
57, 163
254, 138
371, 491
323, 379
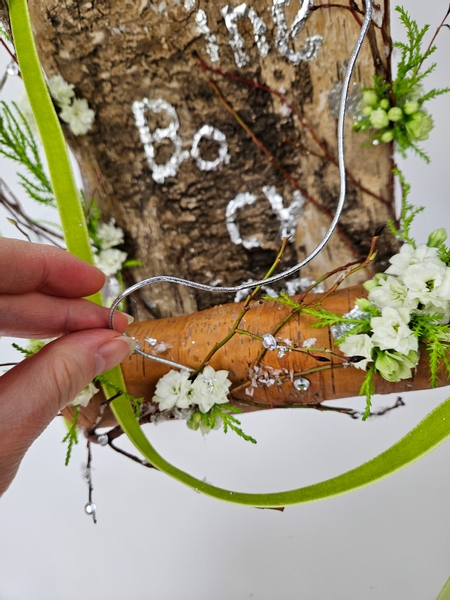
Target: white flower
110, 235
410, 256
358, 345
78, 115
391, 331
428, 283
173, 389
391, 292
84, 397
110, 261
61, 91
210, 387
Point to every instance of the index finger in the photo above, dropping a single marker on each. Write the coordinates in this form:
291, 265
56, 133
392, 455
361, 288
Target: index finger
27, 267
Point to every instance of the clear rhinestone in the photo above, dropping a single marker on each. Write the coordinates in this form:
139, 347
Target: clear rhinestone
151, 341
12, 69
269, 341
301, 384
90, 508
102, 439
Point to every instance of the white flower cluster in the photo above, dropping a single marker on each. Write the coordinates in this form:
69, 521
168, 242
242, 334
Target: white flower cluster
74, 111
109, 259
175, 389
417, 283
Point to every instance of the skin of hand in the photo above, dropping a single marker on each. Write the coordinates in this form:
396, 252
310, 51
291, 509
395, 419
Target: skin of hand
41, 296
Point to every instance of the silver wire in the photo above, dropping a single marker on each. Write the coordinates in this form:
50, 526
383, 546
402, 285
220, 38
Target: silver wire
340, 206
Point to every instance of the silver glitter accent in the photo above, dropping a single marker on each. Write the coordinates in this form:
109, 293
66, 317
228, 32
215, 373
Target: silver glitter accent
299, 284
301, 384
90, 508
241, 200
189, 4
353, 102
309, 342
170, 168
12, 69
312, 44
210, 133
286, 216
103, 439
340, 329
242, 294
231, 16
160, 348
151, 341
282, 351
202, 27
269, 342
209, 382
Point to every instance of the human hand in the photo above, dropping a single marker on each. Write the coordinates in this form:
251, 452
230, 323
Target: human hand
41, 296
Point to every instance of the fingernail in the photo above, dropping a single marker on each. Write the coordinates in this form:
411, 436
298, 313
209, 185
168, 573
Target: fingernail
113, 353
129, 318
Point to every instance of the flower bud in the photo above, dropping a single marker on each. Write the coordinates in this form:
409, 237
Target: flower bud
395, 114
370, 98
419, 126
370, 284
367, 111
387, 136
379, 119
409, 108
384, 104
436, 238
363, 303
195, 420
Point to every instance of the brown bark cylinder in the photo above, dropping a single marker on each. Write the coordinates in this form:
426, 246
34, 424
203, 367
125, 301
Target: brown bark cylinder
189, 338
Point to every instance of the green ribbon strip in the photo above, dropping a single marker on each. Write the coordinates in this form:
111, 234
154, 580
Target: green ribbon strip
433, 430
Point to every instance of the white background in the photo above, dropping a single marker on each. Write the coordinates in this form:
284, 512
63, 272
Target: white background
157, 539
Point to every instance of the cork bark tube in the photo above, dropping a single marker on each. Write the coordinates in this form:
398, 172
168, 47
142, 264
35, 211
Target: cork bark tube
189, 338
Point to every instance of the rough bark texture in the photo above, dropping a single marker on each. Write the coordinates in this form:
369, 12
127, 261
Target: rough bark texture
117, 52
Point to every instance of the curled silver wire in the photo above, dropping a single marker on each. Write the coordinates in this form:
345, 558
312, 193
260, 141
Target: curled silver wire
315, 252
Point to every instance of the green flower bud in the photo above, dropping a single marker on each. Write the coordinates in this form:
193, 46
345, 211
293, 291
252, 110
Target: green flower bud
379, 119
409, 108
370, 98
436, 238
384, 104
419, 126
195, 420
367, 111
395, 114
393, 366
369, 285
363, 303
387, 136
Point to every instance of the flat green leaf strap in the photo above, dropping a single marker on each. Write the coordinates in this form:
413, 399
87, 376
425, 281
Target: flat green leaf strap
444, 594
428, 434
433, 430
68, 200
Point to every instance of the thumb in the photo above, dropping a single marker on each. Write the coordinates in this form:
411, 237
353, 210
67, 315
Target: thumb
33, 392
